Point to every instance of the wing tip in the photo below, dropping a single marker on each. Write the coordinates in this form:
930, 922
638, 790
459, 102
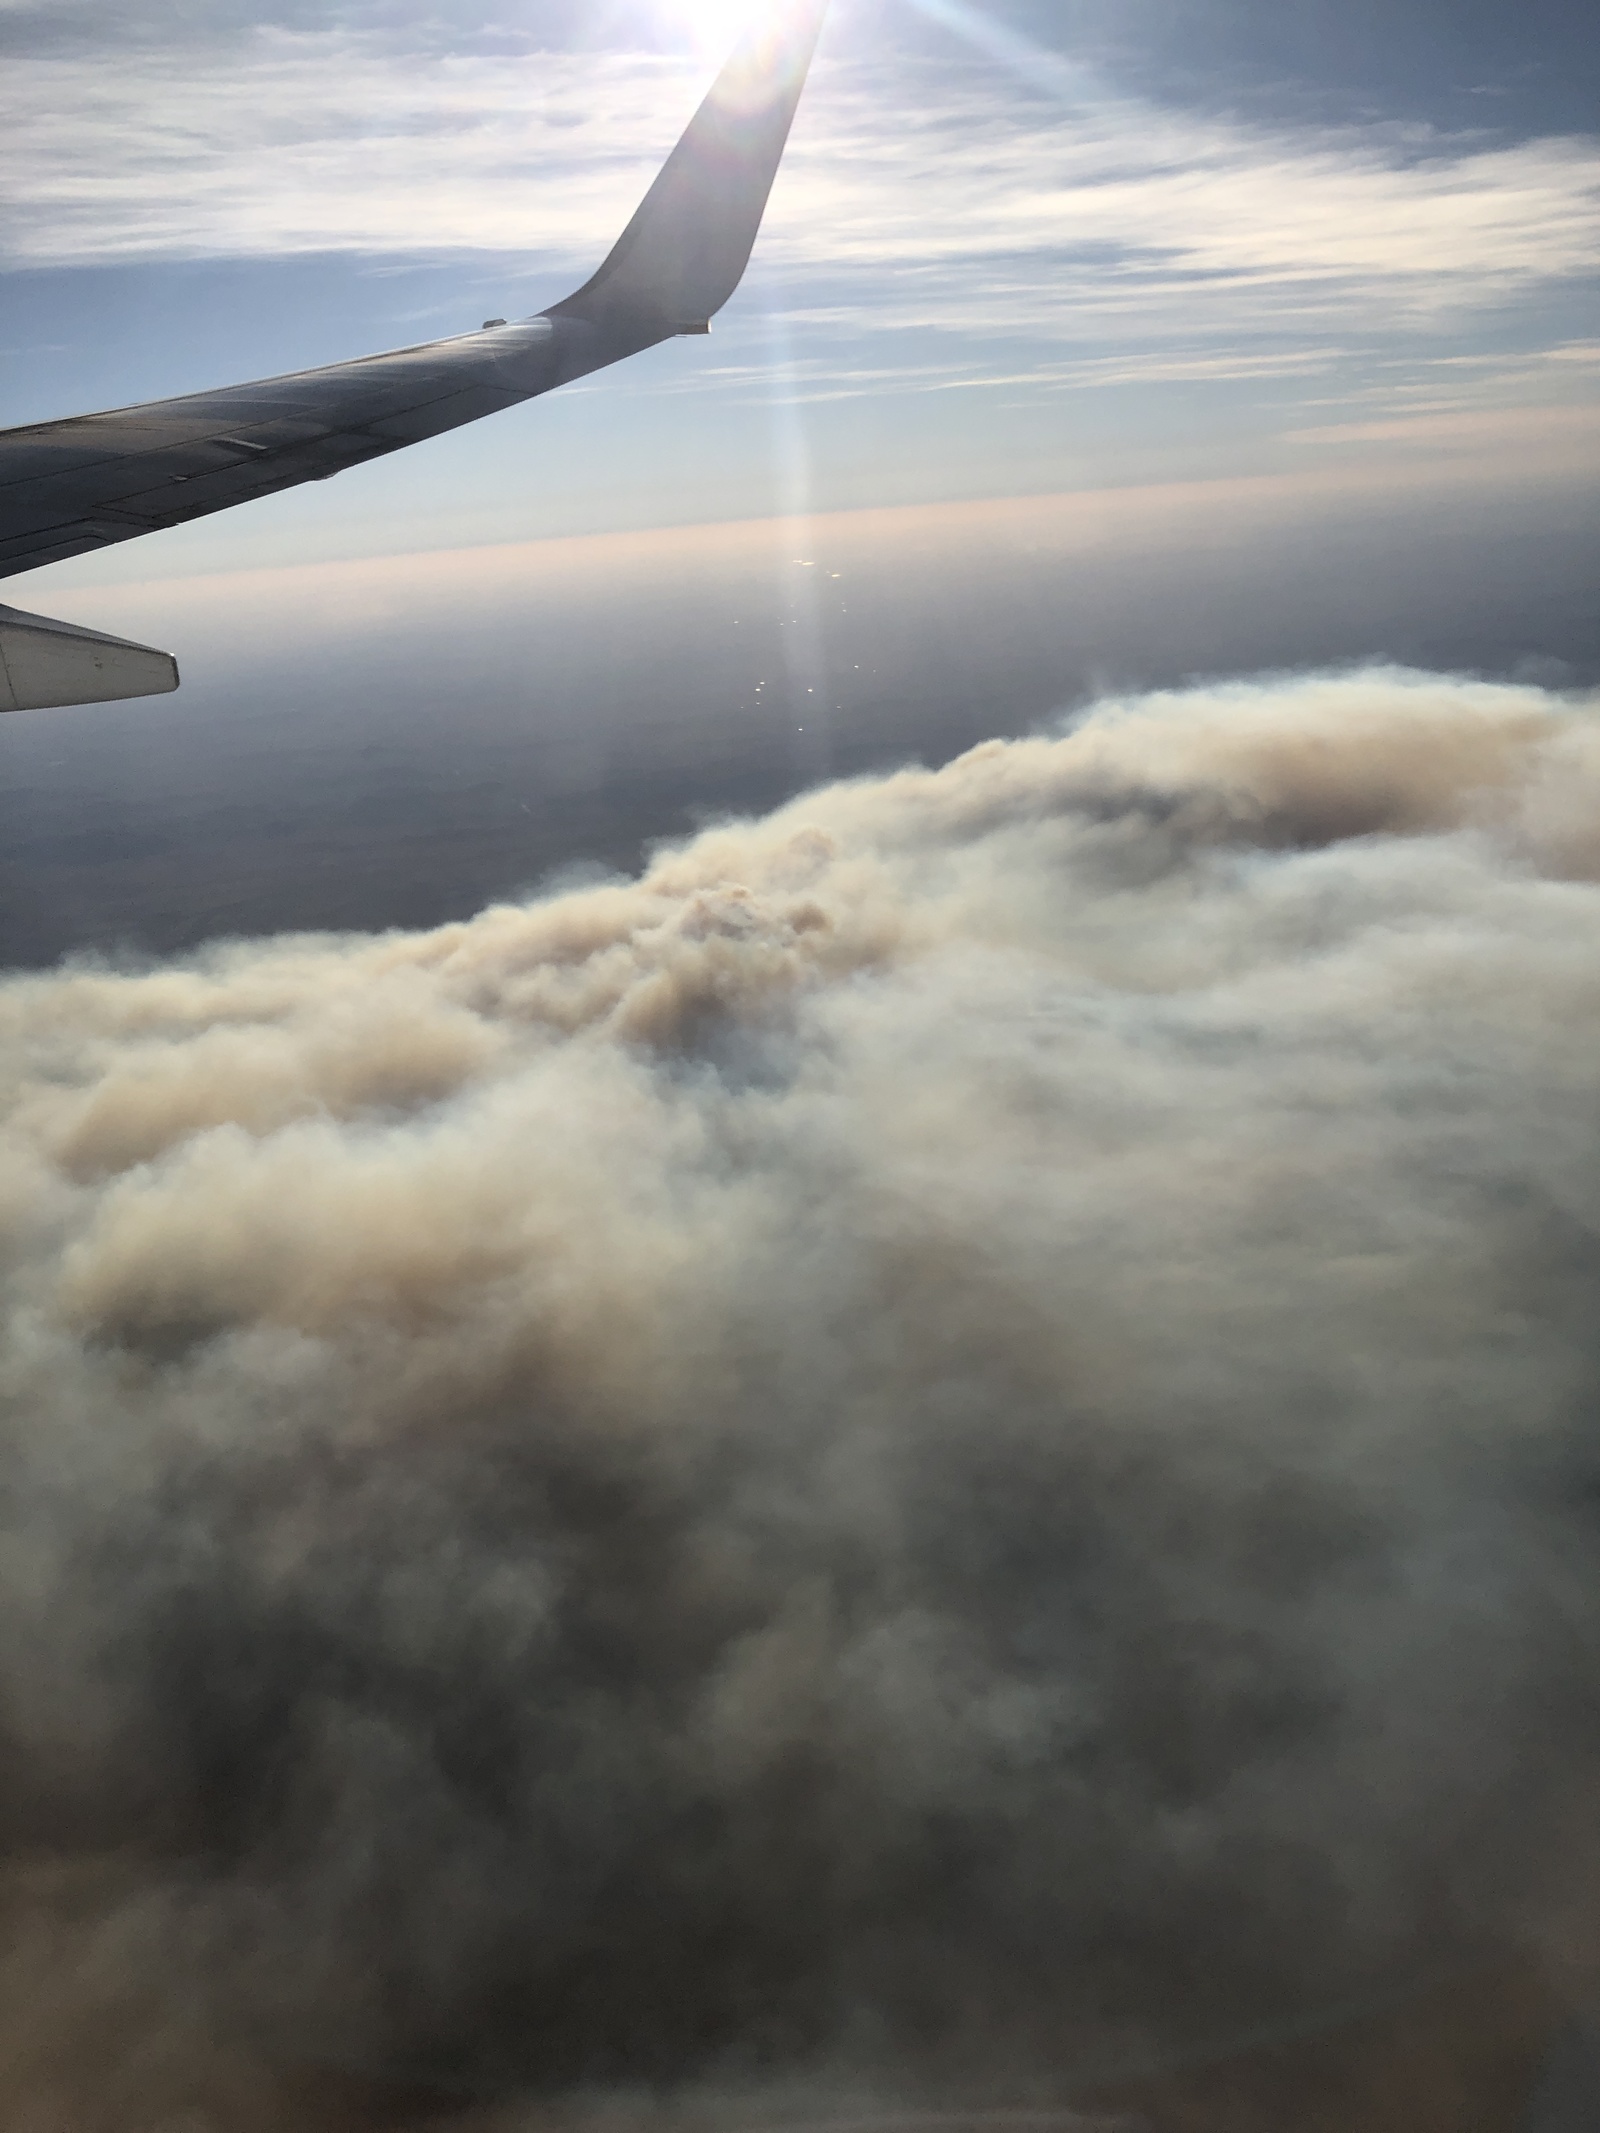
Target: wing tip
685, 250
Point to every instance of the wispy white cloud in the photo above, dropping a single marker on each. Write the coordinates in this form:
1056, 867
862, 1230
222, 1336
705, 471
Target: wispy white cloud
817, 378
308, 141
335, 140
1540, 382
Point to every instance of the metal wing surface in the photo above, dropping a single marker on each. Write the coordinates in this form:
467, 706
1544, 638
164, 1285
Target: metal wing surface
73, 487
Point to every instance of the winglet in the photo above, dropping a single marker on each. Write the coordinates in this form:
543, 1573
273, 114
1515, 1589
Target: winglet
686, 249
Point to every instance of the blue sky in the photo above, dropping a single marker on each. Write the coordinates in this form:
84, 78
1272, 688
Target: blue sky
1016, 249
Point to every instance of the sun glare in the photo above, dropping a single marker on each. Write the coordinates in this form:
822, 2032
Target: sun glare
715, 25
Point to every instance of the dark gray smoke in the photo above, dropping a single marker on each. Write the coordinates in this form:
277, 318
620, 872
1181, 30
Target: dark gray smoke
949, 1443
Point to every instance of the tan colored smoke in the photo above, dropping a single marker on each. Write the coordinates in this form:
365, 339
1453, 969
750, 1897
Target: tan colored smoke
949, 1441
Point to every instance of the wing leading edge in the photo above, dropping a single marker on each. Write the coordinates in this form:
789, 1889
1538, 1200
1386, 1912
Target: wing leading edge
76, 486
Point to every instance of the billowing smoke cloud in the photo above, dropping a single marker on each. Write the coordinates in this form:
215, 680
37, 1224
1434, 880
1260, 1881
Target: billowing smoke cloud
948, 1442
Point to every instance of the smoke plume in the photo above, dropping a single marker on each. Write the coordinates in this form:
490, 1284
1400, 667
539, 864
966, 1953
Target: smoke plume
949, 1442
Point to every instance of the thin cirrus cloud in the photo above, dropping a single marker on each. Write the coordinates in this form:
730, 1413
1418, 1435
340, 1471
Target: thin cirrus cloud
340, 140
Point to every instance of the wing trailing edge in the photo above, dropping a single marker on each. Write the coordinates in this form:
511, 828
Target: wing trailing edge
45, 663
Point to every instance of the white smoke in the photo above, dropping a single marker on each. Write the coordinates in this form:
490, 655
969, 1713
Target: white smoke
951, 1440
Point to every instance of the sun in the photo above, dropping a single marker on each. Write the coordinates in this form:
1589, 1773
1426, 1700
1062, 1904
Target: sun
714, 25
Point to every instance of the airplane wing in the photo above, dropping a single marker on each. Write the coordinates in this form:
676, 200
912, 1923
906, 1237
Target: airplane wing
76, 486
